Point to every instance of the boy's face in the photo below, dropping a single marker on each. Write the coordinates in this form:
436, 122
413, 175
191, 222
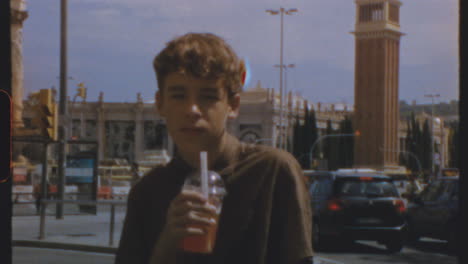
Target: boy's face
196, 110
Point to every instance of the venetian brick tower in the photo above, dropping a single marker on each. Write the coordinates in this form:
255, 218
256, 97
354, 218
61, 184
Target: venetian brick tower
18, 16
377, 50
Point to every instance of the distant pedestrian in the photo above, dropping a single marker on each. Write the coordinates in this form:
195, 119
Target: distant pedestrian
38, 197
135, 173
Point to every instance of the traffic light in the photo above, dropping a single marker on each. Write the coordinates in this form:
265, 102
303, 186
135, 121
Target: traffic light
45, 113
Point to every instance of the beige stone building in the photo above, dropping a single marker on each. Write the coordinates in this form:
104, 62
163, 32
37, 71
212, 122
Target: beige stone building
134, 130
128, 130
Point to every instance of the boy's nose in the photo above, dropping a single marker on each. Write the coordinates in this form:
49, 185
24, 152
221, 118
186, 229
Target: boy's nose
194, 110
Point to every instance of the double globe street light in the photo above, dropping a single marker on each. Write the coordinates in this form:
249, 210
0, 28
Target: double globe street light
432, 96
283, 95
281, 12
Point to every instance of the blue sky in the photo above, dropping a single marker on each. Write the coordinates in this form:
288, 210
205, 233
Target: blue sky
111, 44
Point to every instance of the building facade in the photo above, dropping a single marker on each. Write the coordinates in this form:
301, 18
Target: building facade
129, 130
134, 130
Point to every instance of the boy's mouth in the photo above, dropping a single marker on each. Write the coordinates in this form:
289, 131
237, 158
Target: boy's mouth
192, 130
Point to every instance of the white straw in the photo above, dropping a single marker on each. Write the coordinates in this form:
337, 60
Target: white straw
204, 172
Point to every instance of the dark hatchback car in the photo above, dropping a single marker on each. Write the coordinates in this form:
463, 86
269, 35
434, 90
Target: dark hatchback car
434, 212
356, 206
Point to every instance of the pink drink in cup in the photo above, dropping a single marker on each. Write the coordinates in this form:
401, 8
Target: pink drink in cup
216, 192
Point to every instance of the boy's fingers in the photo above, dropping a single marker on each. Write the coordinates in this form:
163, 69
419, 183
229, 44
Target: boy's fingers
183, 208
183, 231
193, 218
194, 231
192, 196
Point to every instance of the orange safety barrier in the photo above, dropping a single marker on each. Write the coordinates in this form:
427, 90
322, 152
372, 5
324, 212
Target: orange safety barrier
52, 188
104, 192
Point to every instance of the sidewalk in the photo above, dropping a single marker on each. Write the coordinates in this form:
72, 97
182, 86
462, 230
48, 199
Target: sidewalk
77, 232
73, 232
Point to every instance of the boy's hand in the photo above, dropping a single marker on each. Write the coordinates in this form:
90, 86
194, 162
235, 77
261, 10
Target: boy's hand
187, 210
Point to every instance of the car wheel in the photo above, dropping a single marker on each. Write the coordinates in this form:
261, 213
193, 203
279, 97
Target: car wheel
394, 246
452, 241
412, 235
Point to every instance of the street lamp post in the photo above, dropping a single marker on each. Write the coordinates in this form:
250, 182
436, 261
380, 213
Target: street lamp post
63, 110
328, 136
432, 96
284, 95
281, 11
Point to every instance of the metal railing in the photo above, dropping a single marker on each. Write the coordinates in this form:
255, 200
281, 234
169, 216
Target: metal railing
70, 195
112, 204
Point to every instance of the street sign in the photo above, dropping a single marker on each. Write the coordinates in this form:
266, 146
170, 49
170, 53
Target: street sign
20, 174
79, 169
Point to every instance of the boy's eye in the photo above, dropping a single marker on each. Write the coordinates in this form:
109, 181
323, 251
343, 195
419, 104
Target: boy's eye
210, 97
177, 96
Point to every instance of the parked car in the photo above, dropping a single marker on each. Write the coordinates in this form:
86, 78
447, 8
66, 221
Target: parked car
434, 212
357, 205
402, 184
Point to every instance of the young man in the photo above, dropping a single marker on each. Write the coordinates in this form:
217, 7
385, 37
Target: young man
266, 214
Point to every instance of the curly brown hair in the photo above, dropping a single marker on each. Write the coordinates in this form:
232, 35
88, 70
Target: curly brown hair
202, 55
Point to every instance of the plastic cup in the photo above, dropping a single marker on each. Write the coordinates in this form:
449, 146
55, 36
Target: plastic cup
216, 191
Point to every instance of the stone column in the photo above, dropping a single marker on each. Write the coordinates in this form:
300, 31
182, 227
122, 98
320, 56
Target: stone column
82, 122
101, 128
82, 132
271, 125
18, 16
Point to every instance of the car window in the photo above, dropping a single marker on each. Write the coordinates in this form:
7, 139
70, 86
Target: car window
432, 192
320, 187
312, 187
323, 187
399, 184
455, 191
365, 188
445, 191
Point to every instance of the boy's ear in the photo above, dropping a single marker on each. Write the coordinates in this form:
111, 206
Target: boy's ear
158, 102
234, 104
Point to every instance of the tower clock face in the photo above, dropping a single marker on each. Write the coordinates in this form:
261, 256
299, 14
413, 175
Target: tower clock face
250, 137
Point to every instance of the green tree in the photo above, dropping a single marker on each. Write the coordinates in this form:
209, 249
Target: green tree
313, 136
426, 146
454, 145
306, 139
297, 139
303, 137
330, 149
413, 143
416, 146
346, 144
405, 160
